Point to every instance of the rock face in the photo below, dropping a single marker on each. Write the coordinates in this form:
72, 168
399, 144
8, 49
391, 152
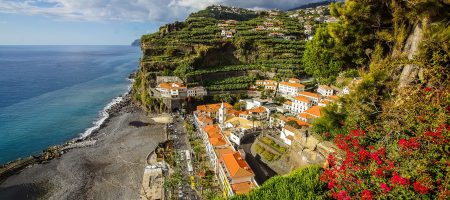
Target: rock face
310, 142
170, 28
136, 43
410, 72
326, 148
312, 157
308, 150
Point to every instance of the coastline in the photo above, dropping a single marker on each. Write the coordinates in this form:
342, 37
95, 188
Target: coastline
84, 139
96, 166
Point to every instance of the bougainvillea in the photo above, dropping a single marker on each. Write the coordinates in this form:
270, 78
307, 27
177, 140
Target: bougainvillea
411, 167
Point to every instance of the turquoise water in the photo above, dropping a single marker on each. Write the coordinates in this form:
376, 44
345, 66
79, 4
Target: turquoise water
51, 94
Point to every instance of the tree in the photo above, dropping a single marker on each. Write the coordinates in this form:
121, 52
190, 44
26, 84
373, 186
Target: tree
241, 105
279, 100
331, 120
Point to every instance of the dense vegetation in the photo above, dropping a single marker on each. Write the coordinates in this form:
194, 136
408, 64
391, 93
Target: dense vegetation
393, 128
196, 51
300, 184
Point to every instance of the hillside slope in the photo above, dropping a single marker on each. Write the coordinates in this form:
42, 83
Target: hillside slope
394, 126
196, 51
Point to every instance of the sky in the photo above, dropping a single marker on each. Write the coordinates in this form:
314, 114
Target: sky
102, 22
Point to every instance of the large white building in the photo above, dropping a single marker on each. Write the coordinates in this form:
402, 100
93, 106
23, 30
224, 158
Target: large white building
196, 91
314, 97
172, 90
325, 90
290, 88
300, 104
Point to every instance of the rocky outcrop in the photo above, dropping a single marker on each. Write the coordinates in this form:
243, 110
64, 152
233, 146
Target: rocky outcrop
309, 142
411, 72
312, 157
308, 149
176, 26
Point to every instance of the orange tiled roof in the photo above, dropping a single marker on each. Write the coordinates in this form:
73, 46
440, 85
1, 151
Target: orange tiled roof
171, 86
326, 87
214, 136
259, 109
309, 94
213, 107
219, 141
302, 99
305, 115
333, 97
325, 101
297, 85
288, 102
294, 80
299, 122
220, 152
314, 111
242, 188
233, 112
236, 166
212, 130
205, 119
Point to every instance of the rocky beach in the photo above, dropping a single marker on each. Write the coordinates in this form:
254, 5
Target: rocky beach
108, 164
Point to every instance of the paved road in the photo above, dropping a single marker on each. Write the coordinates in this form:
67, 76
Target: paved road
262, 171
182, 143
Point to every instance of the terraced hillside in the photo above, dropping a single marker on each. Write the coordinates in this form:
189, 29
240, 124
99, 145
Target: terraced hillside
259, 44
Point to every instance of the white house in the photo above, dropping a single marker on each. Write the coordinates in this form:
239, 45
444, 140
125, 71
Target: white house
172, 90
196, 91
287, 134
346, 90
300, 104
325, 90
290, 88
314, 97
268, 84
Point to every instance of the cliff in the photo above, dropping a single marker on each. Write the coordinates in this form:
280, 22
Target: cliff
218, 45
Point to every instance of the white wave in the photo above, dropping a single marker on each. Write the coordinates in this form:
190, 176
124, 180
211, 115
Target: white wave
103, 115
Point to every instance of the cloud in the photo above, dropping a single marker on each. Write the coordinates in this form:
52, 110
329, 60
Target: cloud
130, 10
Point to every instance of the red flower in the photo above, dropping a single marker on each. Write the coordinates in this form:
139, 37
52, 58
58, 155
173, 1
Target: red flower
355, 143
382, 151
398, 180
331, 160
413, 143
421, 189
342, 195
366, 194
330, 185
385, 187
427, 89
402, 143
363, 154
376, 157
357, 133
378, 172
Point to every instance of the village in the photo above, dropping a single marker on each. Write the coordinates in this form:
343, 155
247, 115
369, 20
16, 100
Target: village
227, 148
242, 145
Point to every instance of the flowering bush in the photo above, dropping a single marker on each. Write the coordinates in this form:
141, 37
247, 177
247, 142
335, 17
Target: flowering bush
413, 167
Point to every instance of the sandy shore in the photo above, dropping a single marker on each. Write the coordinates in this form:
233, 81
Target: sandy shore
112, 168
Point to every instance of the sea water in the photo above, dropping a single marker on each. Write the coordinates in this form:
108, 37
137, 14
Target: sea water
52, 94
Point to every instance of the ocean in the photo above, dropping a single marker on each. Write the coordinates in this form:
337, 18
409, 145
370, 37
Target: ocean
52, 94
